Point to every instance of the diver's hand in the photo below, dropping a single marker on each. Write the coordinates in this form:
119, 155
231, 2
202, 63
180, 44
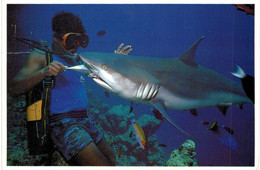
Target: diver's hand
54, 68
123, 50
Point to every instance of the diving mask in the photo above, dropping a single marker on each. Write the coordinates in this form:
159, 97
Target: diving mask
73, 40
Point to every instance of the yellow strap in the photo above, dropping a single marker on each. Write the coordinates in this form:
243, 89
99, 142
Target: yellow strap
34, 111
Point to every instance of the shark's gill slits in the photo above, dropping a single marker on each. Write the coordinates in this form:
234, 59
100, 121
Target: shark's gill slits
153, 92
147, 92
139, 91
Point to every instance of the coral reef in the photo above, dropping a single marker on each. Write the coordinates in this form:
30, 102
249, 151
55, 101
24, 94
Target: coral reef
114, 121
184, 155
17, 150
117, 127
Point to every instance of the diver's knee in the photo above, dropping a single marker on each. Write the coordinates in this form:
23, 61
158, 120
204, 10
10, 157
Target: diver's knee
92, 156
107, 150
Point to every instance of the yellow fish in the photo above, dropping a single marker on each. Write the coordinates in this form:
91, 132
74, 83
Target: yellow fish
139, 133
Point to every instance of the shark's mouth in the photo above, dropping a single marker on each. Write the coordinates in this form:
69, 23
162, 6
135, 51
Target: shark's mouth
96, 78
100, 82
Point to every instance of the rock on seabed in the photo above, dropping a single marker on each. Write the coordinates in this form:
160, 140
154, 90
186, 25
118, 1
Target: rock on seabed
184, 155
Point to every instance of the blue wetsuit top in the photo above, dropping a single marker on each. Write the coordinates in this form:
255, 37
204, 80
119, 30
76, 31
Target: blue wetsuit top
69, 93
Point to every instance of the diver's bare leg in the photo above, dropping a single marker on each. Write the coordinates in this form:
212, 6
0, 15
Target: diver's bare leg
91, 156
107, 151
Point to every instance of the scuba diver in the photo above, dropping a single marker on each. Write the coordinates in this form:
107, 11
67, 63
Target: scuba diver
72, 129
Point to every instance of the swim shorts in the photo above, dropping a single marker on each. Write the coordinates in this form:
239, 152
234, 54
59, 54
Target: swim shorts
71, 135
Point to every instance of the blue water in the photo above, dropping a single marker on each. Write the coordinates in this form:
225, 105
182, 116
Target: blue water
167, 31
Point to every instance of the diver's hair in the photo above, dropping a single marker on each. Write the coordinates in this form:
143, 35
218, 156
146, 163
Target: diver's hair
65, 22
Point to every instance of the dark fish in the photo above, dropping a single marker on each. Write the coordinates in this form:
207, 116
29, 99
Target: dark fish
131, 134
248, 82
213, 126
194, 112
157, 114
247, 8
131, 109
205, 123
101, 33
230, 131
120, 151
162, 145
107, 94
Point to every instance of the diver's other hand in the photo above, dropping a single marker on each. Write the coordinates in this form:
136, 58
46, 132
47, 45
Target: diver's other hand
123, 50
54, 68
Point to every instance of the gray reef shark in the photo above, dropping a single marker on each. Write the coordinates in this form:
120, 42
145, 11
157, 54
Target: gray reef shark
174, 83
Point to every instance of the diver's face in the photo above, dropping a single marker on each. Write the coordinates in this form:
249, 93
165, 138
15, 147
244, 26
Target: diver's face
62, 49
73, 50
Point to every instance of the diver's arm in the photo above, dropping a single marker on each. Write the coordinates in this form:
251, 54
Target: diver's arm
33, 72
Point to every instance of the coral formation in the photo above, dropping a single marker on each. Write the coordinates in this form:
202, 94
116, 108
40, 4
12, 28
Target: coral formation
184, 155
114, 121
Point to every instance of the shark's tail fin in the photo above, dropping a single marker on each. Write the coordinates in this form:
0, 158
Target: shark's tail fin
248, 82
240, 73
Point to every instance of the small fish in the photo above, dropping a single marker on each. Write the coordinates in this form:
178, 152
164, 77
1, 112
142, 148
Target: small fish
162, 145
205, 123
79, 68
214, 126
248, 82
107, 94
131, 109
194, 112
101, 33
139, 133
120, 151
229, 130
131, 134
157, 114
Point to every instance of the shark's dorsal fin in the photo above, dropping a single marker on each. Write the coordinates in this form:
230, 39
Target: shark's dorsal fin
188, 56
159, 106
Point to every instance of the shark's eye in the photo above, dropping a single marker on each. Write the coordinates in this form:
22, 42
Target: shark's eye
104, 67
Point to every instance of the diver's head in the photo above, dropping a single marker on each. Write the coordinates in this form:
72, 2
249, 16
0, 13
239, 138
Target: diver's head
69, 32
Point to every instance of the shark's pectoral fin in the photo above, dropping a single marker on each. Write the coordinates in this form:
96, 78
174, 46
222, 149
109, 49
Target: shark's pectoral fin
160, 106
188, 56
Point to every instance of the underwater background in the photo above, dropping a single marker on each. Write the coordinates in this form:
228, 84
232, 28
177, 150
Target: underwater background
156, 31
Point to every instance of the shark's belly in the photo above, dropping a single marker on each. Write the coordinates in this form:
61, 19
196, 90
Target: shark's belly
176, 102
